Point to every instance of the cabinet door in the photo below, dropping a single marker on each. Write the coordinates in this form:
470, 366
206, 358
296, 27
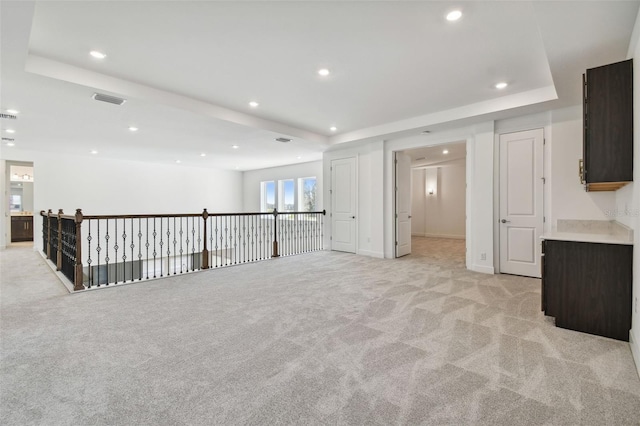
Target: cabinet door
588, 287
608, 144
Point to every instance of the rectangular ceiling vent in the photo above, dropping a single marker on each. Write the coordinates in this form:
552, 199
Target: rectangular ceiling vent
283, 140
8, 139
109, 99
9, 116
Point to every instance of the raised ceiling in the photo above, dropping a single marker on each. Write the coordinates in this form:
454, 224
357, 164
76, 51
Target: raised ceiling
189, 69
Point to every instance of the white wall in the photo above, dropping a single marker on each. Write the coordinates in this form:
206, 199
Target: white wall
251, 182
27, 197
441, 214
418, 202
370, 215
104, 186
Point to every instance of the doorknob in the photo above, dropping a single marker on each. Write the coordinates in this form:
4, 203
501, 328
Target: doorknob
353, 217
505, 221
409, 217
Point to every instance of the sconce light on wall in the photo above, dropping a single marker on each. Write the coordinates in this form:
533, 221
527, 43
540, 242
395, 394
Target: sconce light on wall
431, 181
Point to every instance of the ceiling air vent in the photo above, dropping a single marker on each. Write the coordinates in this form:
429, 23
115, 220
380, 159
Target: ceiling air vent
9, 116
8, 139
284, 140
108, 99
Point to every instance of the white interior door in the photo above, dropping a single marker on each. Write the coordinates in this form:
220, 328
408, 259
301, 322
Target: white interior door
343, 204
521, 202
403, 204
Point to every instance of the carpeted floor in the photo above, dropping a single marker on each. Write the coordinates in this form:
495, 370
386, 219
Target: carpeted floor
323, 338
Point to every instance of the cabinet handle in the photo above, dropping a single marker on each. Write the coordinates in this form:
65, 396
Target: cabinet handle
581, 171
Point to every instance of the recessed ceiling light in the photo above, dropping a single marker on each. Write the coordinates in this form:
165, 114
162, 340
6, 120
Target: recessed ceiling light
11, 144
94, 152
203, 155
237, 167
253, 104
501, 85
9, 130
299, 157
235, 146
178, 161
324, 72
446, 151
133, 129
454, 15
97, 55
13, 111
333, 128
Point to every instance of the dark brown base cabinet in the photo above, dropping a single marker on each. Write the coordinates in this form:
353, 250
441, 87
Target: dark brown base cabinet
587, 286
21, 228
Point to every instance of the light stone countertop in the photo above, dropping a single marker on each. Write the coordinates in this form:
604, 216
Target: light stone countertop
591, 231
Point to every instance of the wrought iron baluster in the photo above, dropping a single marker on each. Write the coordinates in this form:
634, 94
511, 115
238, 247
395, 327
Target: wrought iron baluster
146, 235
322, 232
193, 242
235, 239
154, 253
217, 218
226, 239
168, 246
213, 252
175, 242
124, 250
193, 248
181, 233
89, 271
254, 237
199, 242
133, 246
106, 256
140, 248
98, 249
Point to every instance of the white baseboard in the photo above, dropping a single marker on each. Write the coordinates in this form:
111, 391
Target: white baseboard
453, 237
634, 342
483, 269
379, 255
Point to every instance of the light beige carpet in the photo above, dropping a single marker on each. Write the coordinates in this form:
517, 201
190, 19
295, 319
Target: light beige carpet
322, 338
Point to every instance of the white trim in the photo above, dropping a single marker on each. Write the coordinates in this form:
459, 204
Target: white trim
483, 269
450, 236
370, 253
635, 349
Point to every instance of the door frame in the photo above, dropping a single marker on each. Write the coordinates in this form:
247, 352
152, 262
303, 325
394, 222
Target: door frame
469, 159
6, 212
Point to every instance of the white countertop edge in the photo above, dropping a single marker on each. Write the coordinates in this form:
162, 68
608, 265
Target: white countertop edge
586, 238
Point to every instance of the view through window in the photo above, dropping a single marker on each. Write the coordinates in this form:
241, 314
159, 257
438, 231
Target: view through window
288, 195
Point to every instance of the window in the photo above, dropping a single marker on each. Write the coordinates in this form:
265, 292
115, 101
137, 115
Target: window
267, 196
286, 196
307, 194
291, 195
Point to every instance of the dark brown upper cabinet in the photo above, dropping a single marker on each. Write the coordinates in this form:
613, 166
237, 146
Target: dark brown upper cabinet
608, 127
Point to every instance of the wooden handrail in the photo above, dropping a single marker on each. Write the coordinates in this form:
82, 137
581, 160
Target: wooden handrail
155, 215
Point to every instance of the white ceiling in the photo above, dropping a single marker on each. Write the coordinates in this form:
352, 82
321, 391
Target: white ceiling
433, 156
189, 69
